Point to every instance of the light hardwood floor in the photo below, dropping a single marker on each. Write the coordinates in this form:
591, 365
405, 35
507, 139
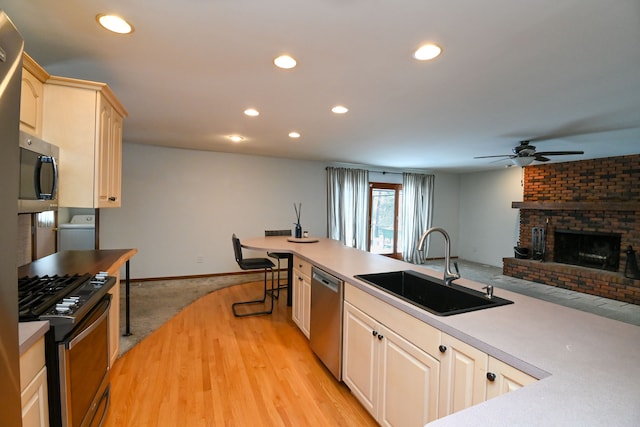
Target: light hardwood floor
205, 367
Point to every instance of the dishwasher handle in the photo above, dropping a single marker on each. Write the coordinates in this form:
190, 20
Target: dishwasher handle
329, 282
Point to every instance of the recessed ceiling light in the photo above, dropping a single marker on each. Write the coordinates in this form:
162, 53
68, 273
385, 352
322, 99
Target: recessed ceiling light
114, 23
427, 51
294, 135
285, 61
236, 138
339, 109
251, 112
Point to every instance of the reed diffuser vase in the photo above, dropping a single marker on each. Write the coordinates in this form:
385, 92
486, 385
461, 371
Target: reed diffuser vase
298, 229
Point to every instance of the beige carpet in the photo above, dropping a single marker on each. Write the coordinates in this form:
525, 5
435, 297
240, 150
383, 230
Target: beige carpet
155, 302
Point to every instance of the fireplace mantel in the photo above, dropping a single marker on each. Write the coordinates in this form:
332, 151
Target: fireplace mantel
578, 206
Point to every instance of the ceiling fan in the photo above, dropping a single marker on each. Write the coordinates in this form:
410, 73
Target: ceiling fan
525, 153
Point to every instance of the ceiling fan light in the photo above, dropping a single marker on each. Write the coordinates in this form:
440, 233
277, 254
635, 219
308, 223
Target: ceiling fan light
522, 161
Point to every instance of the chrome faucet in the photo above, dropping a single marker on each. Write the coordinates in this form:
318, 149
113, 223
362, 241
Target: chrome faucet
449, 276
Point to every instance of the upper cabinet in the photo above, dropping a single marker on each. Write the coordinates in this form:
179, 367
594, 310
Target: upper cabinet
84, 119
31, 100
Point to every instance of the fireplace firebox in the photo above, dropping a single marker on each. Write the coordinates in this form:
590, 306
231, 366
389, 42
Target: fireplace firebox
587, 249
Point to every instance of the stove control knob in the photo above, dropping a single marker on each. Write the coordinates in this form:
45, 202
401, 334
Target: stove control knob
61, 308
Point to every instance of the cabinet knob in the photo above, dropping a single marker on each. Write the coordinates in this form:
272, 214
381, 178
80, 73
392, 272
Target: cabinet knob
112, 198
491, 376
380, 336
442, 348
374, 333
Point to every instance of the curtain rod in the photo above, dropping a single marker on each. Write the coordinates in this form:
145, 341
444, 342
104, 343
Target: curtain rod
383, 172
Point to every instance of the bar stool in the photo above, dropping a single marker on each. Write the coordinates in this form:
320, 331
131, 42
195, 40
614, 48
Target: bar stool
252, 264
275, 292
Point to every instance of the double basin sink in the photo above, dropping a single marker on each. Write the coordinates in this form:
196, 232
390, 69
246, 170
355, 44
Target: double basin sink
430, 294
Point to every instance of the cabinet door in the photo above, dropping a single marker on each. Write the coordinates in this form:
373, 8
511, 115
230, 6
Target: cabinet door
360, 357
35, 406
506, 378
31, 104
306, 305
114, 322
409, 382
301, 301
109, 167
296, 299
463, 376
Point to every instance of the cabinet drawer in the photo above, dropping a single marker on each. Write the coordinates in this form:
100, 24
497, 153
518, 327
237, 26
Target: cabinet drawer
31, 362
302, 266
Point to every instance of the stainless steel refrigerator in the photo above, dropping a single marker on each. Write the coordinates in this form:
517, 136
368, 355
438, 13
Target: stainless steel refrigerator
11, 46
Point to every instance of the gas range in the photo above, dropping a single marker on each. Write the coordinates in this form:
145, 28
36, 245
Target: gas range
62, 300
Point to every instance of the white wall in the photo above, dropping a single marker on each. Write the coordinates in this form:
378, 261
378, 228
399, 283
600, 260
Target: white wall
445, 214
488, 225
182, 206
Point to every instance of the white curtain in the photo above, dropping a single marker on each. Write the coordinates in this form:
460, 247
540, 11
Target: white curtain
347, 206
417, 214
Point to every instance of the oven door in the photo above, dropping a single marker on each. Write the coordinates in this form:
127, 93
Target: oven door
84, 369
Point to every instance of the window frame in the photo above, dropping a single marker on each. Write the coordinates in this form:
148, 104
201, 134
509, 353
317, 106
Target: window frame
397, 188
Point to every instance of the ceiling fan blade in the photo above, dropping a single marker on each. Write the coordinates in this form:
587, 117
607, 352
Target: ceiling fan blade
499, 155
558, 153
572, 132
540, 158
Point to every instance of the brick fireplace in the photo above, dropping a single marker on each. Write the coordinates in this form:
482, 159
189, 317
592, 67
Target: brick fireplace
599, 197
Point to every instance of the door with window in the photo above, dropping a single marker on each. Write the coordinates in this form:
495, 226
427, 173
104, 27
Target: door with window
385, 226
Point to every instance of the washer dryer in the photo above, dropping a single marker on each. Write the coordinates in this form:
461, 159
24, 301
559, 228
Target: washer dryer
79, 234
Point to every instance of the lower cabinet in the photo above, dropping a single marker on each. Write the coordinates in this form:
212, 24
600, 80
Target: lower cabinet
301, 300
504, 378
394, 379
464, 370
33, 386
114, 322
406, 372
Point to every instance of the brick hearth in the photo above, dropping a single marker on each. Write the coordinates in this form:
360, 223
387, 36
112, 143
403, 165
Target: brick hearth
600, 195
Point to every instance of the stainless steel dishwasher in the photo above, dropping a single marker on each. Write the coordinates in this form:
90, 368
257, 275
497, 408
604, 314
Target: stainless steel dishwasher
325, 331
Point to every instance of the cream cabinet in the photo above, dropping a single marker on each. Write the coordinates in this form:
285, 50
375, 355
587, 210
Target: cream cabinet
301, 300
503, 378
395, 379
85, 120
114, 321
32, 96
33, 386
406, 372
470, 376
463, 377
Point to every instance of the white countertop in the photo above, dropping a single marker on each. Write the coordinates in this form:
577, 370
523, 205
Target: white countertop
589, 365
29, 333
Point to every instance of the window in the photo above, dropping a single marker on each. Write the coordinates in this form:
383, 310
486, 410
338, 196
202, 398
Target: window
385, 226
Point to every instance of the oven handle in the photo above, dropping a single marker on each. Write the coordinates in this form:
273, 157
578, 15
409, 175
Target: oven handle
69, 345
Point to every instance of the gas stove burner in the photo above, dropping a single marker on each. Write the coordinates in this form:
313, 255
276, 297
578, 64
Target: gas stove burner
36, 295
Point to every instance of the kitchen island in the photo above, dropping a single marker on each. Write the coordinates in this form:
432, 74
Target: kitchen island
588, 366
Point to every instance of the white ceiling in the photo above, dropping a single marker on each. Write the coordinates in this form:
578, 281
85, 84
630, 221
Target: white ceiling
564, 71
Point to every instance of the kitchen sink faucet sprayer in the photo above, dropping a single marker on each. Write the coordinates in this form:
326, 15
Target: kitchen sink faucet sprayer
449, 276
